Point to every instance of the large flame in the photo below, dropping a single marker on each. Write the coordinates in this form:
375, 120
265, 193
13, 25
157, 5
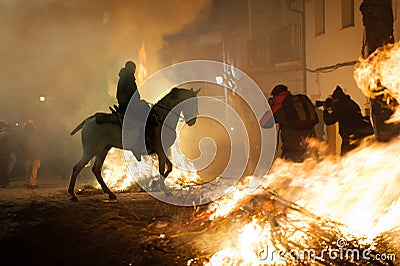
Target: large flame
141, 67
118, 177
378, 75
359, 191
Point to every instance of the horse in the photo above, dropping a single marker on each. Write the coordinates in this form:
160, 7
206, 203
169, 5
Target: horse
98, 139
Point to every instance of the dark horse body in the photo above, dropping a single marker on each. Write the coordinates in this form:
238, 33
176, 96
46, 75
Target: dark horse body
97, 139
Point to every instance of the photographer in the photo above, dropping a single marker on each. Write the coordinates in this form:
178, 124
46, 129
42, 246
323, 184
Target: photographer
352, 125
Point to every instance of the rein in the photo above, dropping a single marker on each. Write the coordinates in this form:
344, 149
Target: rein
181, 118
165, 124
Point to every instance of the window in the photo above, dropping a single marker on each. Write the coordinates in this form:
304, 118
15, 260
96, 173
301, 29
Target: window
347, 13
285, 45
319, 17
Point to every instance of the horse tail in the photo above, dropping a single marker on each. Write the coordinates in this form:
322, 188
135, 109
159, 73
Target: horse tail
79, 127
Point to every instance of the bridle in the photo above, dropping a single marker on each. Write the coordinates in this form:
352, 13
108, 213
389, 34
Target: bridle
180, 117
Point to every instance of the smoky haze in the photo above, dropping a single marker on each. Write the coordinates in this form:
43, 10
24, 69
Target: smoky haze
71, 53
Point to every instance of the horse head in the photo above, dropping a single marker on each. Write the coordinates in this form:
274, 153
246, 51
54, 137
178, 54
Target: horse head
177, 101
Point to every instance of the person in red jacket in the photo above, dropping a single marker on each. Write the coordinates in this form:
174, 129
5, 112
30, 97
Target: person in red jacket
293, 146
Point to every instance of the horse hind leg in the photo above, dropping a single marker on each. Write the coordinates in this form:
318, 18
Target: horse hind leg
75, 172
98, 164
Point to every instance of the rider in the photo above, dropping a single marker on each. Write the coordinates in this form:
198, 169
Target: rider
126, 87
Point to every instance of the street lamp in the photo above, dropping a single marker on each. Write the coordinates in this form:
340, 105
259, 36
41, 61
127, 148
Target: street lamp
42, 98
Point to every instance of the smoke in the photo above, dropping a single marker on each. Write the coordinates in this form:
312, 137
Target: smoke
71, 51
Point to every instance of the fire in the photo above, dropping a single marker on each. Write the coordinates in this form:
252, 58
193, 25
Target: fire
141, 68
249, 250
116, 172
359, 191
184, 173
378, 75
118, 177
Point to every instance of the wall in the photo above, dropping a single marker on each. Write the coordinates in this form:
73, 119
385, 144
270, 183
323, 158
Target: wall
337, 45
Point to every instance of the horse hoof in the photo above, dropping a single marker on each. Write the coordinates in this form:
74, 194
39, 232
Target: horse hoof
74, 199
112, 196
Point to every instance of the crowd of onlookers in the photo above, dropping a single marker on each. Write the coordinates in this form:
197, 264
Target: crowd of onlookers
25, 149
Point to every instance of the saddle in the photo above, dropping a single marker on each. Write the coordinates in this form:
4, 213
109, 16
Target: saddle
113, 118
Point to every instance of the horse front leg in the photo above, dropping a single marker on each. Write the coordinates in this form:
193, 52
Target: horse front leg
75, 172
162, 160
98, 164
169, 167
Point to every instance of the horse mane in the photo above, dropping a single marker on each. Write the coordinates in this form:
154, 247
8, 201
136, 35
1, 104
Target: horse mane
172, 94
152, 120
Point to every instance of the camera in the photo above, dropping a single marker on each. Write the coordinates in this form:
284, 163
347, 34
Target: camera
326, 104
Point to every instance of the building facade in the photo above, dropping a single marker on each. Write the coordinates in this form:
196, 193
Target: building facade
309, 45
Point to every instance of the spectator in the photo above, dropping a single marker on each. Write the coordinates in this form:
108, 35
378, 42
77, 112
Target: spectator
6, 149
32, 153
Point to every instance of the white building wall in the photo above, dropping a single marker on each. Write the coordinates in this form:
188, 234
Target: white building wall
337, 45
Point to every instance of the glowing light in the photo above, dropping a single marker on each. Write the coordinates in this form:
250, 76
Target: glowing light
42, 98
219, 80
